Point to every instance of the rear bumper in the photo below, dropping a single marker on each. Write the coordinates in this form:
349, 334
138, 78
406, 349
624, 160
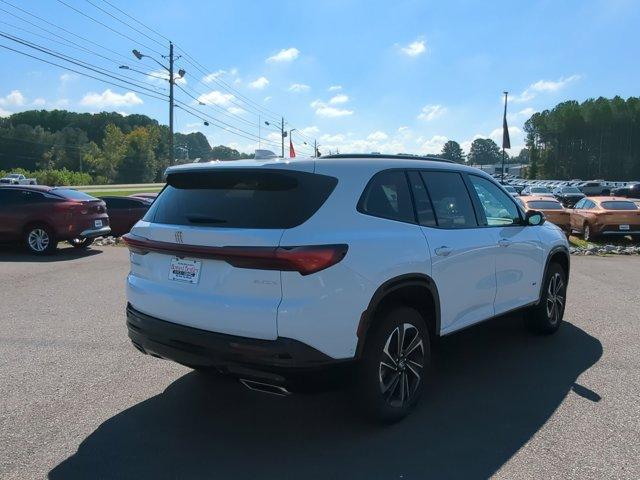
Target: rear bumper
95, 232
283, 361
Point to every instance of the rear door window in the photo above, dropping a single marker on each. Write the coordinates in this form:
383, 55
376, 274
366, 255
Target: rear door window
450, 198
387, 196
241, 198
619, 205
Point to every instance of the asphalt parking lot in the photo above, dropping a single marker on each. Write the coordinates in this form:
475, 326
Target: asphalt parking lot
78, 401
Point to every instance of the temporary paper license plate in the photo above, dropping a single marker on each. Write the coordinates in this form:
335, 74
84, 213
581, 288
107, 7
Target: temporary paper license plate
184, 270
624, 227
98, 223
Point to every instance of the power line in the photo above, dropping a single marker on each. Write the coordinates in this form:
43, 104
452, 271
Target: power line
80, 73
124, 35
75, 61
124, 23
136, 20
56, 26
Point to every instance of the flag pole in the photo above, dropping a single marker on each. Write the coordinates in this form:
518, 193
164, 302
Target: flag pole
504, 126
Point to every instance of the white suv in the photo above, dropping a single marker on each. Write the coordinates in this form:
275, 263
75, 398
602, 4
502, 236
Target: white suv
275, 270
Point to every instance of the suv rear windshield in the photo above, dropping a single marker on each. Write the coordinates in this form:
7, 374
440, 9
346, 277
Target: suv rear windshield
241, 198
619, 205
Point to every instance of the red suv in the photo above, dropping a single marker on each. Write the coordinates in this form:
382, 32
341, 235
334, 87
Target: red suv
40, 217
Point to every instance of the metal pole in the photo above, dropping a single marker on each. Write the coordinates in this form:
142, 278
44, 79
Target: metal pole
503, 152
282, 135
171, 153
315, 148
259, 132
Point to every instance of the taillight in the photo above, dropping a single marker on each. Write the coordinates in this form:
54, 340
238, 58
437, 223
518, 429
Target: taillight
306, 259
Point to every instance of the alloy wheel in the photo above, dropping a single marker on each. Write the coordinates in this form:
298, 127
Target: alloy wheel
555, 299
38, 240
401, 367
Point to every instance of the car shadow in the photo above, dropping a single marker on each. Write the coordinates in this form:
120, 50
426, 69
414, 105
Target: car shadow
493, 387
62, 254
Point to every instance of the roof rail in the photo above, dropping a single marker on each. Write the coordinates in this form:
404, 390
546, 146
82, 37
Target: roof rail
380, 155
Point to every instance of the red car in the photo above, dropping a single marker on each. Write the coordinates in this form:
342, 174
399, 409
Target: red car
124, 212
39, 217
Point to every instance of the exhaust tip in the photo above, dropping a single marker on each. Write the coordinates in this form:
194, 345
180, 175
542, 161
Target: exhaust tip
270, 388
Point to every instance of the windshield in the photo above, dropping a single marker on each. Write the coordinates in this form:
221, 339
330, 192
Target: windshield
14, 175
570, 190
241, 198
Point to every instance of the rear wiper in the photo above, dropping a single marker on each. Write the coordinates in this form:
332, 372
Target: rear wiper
202, 219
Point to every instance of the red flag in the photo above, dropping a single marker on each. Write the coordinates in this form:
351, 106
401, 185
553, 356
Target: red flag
292, 152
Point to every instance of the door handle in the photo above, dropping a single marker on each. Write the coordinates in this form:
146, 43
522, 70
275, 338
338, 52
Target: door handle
443, 251
503, 242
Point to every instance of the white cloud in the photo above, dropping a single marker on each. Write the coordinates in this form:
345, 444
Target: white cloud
259, 83
67, 77
324, 110
215, 97
235, 110
526, 112
109, 99
284, 55
15, 98
336, 138
418, 47
39, 102
544, 86
267, 99
61, 103
338, 99
310, 131
299, 87
4, 113
335, 88
213, 76
377, 136
159, 77
433, 144
431, 112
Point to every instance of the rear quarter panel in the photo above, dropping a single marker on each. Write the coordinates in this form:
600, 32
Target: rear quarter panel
324, 309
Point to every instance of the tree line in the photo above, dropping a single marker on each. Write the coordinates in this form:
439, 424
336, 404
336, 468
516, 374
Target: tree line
596, 139
107, 146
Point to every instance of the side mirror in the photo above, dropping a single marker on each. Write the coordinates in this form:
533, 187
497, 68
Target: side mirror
534, 218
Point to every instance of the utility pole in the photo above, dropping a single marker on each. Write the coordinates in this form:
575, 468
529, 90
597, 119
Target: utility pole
315, 148
283, 134
171, 82
259, 133
506, 142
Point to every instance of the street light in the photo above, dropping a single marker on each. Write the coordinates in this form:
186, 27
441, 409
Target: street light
171, 80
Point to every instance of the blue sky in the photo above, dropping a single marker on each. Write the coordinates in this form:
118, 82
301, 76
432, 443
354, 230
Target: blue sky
400, 76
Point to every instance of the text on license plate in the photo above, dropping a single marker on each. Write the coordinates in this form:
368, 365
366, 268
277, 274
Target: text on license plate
624, 227
184, 270
98, 223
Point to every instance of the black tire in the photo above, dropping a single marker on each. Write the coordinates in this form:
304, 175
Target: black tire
81, 242
39, 239
587, 234
391, 380
546, 317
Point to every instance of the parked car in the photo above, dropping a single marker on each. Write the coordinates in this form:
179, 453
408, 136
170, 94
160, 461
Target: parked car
610, 216
18, 179
124, 212
568, 196
631, 190
39, 217
274, 271
552, 209
536, 190
594, 188
512, 190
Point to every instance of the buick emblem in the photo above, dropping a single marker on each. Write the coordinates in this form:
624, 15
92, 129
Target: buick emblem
179, 237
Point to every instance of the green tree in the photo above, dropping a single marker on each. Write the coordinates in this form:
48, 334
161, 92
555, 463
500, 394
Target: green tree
139, 162
484, 151
452, 151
